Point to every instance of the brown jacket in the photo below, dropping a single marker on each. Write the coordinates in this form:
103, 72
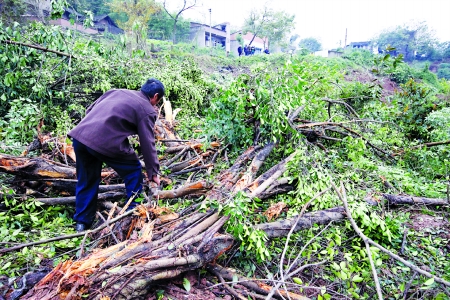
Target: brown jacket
113, 117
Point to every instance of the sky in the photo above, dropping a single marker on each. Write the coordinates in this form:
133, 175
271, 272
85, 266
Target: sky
328, 20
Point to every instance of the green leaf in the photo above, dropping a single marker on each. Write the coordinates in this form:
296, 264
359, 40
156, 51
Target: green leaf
429, 281
186, 284
6, 266
297, 280
357, 278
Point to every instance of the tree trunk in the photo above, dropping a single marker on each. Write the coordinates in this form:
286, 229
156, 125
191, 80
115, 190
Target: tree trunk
175, 31
411, 200
282, 228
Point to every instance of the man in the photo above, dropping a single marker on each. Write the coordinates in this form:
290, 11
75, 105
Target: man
102, 137
240, 50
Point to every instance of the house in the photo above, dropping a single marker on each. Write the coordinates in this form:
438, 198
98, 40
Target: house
71, 19
367, 45
259, 43
106, 24
205, 36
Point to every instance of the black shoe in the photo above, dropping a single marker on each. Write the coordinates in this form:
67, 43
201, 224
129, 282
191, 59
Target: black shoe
79, 227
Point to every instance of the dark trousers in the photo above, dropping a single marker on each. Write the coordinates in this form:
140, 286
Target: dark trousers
89, 168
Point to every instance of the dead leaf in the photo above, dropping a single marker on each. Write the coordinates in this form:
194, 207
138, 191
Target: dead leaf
274, 211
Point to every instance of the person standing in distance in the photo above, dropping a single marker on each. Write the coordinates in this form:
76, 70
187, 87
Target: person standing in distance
102, 137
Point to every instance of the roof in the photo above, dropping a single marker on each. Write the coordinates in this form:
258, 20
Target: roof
248, 37
217, 26
111, 27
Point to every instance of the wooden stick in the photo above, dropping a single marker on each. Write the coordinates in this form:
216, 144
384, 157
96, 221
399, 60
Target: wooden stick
37, 47
227, 287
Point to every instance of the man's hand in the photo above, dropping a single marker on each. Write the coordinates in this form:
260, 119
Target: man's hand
155, 179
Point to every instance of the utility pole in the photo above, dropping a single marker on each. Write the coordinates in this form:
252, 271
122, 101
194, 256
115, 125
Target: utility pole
210, 39
345, 43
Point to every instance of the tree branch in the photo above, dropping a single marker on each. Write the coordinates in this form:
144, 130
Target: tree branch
37, 47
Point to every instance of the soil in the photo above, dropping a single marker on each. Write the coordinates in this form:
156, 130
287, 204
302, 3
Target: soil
428, 224
389, 87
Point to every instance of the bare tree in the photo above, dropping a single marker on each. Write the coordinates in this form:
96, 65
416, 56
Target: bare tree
186, 5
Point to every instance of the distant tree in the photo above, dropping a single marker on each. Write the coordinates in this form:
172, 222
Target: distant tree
97, 7
175, 16
160, 26
256, 21
278, 27
311, 44
444, 48
11, 10
138, 14
410, 39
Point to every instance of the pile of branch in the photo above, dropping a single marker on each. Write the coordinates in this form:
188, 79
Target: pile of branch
127, 269
156, 244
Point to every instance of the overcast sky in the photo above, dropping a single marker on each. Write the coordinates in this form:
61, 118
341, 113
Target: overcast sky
327, 20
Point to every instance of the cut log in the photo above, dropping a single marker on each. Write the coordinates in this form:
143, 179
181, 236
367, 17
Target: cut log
254, 167
411, 200
128, 269
69, 200
198, 188
282, 228
38, 168
34, 167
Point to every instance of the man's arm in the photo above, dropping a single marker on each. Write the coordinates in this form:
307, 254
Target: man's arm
148, 147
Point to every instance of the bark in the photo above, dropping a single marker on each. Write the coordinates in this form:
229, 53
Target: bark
117, 195
117, 192
37, 168
281, 228
69, 185
262, 182
254, 167
33, 168
411, 200
185, 164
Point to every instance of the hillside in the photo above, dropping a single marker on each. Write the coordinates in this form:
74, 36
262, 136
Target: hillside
303, 177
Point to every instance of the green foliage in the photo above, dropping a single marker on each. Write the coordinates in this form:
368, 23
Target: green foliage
160, 26
408, 39
26, 220
361, 57
240, 212
267, 97
311, 44
19, 124
439, 123
97, 7
11, 11
41, 80
415, 102
270, 24
444, 71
